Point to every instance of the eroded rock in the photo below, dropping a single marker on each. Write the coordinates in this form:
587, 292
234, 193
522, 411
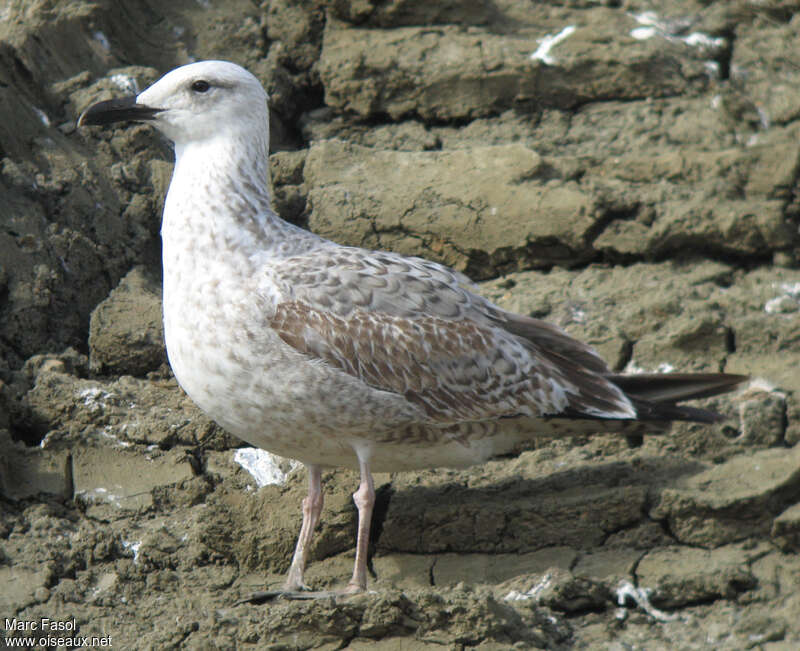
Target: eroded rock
27, 472
126, 334
659, 167
681, 576
733, 500
472, 209
450, 73
786, 529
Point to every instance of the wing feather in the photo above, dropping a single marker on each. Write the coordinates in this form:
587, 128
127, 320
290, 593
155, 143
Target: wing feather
456, 371
413, 327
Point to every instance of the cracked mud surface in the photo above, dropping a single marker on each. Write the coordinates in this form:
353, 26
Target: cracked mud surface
639, 189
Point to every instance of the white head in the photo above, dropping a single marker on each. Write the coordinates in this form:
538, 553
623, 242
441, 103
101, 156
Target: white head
194, 103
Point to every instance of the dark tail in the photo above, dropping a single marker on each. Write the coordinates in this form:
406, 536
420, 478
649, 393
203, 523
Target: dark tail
655, 394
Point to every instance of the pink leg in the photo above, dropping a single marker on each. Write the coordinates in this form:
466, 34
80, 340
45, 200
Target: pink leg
312, 507
364, 498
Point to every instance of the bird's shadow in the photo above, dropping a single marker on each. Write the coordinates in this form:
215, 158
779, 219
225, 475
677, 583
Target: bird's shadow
578, 507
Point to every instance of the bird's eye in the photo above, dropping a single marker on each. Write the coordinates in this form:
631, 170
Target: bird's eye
200, 86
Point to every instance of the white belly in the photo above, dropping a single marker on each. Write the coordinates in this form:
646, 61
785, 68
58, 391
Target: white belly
240, 373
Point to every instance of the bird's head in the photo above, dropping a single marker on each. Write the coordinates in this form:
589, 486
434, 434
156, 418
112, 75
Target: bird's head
193, 103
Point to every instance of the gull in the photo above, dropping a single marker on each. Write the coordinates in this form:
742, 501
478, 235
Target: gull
339, 356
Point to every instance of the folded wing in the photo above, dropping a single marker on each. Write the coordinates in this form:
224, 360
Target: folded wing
410, 326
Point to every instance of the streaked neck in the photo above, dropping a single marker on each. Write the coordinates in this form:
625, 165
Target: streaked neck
218, 207
219, 196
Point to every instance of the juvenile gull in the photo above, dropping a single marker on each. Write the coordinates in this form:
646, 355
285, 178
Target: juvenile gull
340, 356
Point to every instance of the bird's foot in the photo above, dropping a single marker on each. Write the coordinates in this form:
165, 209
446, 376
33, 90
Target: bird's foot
353, 588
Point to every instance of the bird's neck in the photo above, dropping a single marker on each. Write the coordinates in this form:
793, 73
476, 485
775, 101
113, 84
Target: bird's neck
218, 210
218, 202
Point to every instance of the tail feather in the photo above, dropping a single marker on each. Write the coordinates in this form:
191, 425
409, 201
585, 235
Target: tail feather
654, 395
674, 387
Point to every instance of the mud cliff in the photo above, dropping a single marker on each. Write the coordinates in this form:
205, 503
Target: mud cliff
628, 170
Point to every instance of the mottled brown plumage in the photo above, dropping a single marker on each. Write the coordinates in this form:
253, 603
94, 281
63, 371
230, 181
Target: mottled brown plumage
339, 356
